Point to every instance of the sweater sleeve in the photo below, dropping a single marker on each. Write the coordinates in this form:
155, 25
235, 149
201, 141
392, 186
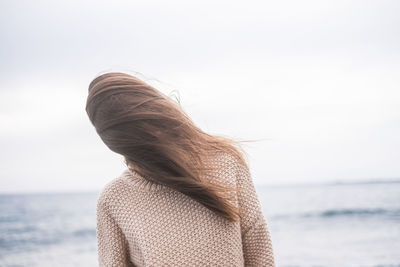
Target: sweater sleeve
111, 243
256, 240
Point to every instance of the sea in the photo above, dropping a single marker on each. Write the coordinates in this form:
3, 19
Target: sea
334, 224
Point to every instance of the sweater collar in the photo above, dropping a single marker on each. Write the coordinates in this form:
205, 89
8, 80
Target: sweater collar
139, 181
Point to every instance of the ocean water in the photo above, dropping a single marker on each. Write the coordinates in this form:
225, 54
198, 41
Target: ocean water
311, 225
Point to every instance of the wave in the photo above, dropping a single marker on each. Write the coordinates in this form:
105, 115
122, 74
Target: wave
361, 182
357, 212
86, 232
27, 237
353, 212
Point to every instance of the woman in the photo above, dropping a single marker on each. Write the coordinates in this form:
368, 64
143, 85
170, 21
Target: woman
186, 197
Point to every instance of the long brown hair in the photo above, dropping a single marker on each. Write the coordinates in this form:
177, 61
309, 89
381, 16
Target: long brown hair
158, 139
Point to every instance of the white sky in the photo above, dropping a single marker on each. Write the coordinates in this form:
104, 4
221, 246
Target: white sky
317, 81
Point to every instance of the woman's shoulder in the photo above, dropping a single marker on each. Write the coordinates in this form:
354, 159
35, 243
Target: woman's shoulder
112, 191
225, 167
226, 160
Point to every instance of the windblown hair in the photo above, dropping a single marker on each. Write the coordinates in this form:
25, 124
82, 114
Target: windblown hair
158, 140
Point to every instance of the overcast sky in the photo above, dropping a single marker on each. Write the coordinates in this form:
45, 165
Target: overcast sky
317, 82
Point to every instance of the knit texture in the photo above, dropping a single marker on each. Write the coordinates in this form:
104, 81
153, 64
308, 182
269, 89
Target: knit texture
140, 223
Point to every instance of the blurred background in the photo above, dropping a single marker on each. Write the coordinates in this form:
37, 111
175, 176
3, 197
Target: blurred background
317, 83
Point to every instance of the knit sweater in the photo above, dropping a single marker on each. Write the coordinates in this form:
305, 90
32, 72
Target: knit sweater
140, 223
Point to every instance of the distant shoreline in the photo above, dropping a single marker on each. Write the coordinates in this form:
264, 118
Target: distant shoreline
335, 183
304, 184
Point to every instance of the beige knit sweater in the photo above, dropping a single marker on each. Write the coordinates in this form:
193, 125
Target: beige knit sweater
140, 223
